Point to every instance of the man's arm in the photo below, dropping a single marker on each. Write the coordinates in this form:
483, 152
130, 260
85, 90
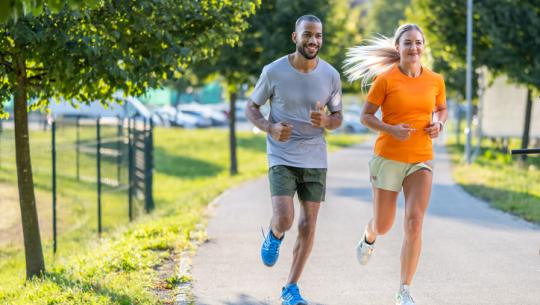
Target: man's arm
254, 115
320, 119
279, 131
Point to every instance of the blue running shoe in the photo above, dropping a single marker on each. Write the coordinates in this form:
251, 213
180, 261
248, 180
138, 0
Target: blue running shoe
291, 295
270, 248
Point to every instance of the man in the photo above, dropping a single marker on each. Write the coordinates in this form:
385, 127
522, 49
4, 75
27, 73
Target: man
299, 86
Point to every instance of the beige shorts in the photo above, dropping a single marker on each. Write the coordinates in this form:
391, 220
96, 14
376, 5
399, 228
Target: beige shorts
389, 174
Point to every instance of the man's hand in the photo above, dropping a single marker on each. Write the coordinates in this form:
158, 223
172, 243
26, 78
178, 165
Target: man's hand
402, 132
280, 131
318, 117
433, 129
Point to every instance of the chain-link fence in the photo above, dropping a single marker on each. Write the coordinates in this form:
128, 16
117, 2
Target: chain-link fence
90, 175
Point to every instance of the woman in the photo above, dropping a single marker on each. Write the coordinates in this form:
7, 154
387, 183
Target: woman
412, 100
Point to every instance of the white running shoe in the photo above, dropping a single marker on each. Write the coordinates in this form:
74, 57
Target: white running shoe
403, 297
364, 250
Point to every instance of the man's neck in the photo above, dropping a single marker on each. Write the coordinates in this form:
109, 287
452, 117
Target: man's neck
302, 64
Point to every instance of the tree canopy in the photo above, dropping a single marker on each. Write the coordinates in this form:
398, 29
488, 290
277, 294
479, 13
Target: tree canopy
89, 54
505, 38
129, 45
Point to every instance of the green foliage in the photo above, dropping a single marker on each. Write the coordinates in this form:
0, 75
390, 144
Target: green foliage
513, 35
269, 37
505, 38
91, 53
500, 179
384, 16
12, 9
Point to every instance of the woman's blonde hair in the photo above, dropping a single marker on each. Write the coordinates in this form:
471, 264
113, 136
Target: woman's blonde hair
378, 56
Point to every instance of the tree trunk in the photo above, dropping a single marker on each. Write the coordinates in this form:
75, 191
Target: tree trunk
232, 133
527, 127
35, 264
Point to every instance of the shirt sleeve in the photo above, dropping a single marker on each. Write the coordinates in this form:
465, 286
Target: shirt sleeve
377, 92
440, 99
334, 103
262, 91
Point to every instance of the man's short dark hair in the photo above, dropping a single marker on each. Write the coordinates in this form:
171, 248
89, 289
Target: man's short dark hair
306, 18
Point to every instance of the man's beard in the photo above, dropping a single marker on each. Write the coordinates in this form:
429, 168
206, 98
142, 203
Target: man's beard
300, 50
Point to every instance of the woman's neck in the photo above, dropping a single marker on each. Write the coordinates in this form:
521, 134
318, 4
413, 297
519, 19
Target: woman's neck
411, 69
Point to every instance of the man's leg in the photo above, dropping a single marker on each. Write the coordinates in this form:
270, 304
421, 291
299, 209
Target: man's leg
304, 241
282, 215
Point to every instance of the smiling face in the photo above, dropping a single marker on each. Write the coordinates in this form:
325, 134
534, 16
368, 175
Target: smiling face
410, 46
308, 39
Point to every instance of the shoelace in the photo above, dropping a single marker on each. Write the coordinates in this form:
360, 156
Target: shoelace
273, 246
406, 296
294, 294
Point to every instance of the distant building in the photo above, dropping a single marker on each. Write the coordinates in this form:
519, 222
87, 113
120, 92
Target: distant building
503, 113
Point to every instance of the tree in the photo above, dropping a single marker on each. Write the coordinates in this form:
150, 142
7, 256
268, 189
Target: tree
446, 29
505, 40
269, 37
384, 16
12, 9
512, 28
89, 54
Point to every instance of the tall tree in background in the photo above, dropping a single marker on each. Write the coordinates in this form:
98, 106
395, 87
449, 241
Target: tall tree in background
505, 40
12, 9
89, 54
445, 28
385, 16
513, 30
269, 37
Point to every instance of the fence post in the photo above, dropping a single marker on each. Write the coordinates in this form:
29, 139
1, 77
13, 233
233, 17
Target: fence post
53, 131
98, 152
130, 169
119, 138
77, 146
148, 164
1, 131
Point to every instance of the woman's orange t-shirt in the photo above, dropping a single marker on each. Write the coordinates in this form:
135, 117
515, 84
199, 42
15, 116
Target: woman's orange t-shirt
409, 100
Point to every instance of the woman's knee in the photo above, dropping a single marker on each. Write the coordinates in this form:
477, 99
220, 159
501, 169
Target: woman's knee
413, 226
381, 228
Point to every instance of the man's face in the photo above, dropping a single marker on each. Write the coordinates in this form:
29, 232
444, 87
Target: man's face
308, 39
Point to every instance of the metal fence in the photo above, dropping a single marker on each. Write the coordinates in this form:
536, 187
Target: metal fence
97, 173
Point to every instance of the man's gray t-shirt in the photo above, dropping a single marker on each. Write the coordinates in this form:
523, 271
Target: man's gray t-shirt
292, 96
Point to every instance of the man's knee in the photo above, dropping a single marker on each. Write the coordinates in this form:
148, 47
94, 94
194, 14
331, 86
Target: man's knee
283, 222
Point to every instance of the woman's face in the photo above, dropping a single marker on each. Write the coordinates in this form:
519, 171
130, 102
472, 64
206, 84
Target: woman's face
410, 47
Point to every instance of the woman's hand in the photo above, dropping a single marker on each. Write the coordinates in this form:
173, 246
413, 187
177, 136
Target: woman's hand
401, 132
434, 129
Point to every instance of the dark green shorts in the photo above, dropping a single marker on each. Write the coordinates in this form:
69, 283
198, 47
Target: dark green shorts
310, 183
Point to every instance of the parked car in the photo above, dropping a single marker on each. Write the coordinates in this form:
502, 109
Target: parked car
206, 112
129, 107
181, 118
351, 121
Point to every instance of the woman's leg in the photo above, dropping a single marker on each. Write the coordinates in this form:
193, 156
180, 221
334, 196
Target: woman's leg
417, 191
384, 212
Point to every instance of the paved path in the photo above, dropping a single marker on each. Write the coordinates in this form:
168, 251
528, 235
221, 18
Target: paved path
472, 255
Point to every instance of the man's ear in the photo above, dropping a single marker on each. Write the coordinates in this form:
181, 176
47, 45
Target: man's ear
293, 37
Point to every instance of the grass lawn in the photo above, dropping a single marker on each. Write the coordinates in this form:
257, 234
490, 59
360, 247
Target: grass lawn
498, 178
191, 168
